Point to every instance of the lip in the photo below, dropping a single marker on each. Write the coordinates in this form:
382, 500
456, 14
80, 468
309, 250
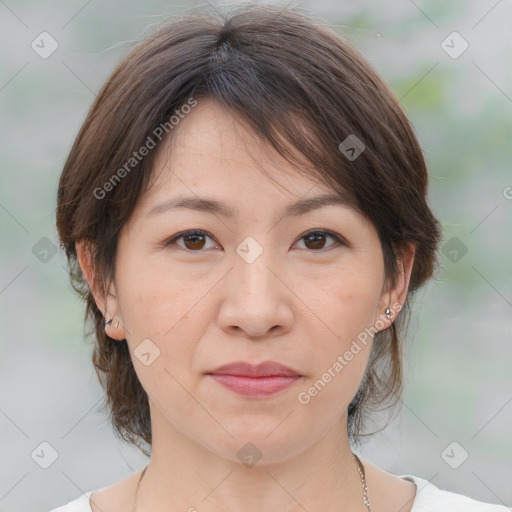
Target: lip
264, 369
249, 380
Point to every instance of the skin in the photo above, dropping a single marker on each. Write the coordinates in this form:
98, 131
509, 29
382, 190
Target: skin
300, 303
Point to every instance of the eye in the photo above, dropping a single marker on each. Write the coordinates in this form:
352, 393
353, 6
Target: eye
196, 239
315, 240
193, 240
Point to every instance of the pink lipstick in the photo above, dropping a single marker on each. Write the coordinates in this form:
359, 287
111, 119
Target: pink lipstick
264, 379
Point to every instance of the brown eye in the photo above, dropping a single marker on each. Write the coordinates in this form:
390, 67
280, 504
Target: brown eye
193, 241
196, 240
316, 240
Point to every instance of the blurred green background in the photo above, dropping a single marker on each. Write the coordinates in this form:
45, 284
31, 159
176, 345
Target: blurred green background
459, 351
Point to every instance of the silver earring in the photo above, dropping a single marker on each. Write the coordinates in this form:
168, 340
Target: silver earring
108, 322
388, 313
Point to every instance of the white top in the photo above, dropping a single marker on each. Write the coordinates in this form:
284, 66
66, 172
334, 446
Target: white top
429, 498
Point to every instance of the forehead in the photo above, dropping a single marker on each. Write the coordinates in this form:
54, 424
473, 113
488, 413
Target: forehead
211, 138
214, 150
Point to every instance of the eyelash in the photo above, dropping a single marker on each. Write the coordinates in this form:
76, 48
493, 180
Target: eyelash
339, 240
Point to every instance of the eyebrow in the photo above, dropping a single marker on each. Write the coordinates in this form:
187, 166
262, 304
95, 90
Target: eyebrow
208, 205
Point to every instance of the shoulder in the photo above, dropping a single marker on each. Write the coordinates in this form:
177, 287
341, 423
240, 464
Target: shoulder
118, 496
80, 504
430, 497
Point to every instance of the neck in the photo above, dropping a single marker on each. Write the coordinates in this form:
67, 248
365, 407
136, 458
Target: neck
185, 475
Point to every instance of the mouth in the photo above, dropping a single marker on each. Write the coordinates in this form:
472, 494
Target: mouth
265, 379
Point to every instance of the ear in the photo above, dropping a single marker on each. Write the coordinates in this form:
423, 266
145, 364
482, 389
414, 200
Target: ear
395, 297
107, 302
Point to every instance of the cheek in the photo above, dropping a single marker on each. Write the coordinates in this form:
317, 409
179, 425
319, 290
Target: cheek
153, 298
168, 309
342, 345
344, 304
157, 310
345, 301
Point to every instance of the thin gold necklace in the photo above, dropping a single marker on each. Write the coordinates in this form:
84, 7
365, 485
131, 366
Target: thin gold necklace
360, 470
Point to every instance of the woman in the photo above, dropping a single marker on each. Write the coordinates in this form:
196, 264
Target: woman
244, 211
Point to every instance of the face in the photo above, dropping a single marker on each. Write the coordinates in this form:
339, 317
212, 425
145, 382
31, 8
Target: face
259, 285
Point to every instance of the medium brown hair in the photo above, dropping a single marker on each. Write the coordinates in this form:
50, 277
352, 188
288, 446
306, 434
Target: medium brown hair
298, 84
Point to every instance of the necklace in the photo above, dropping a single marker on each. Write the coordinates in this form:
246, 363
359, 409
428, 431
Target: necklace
360, 470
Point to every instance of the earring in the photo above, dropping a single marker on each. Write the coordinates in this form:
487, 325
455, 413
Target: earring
388, 313
108, 322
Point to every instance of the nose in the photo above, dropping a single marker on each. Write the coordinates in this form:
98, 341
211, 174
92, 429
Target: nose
257, 302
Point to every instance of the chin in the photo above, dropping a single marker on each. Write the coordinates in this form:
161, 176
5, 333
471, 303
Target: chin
258, 441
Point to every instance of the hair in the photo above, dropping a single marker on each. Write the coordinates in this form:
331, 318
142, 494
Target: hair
298, 84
